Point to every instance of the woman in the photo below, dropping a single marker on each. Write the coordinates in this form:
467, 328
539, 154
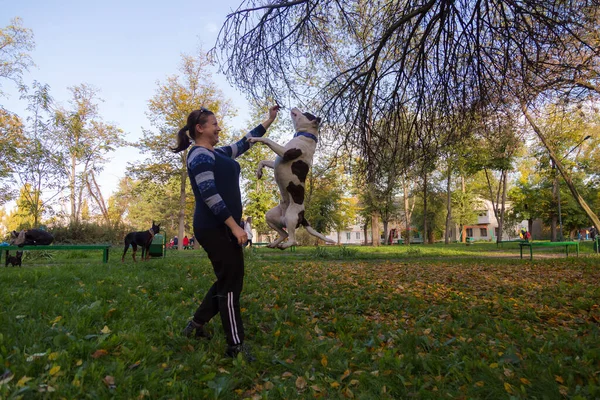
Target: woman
214, 176
248, 229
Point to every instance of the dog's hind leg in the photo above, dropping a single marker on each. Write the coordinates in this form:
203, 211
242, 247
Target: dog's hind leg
274, 220
134, 248
294, 215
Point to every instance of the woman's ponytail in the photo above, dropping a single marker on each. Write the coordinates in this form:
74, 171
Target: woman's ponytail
186, 135
183, 140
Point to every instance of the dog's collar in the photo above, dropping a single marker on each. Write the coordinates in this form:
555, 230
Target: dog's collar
151, 232
308, 135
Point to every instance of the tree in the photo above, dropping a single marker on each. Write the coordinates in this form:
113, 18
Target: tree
41, 166
324, 198
11, 132
427, 59
16, 42
22, 217
85, 140
168, 111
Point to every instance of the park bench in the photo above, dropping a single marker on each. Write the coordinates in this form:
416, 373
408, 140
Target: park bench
501, 242
103, 247
264, 244
531, 245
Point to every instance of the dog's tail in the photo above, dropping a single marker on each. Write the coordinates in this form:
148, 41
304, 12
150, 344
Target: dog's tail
313, 232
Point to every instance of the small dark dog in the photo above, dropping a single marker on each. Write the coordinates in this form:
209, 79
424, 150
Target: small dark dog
15, 261
143, 239
31, 237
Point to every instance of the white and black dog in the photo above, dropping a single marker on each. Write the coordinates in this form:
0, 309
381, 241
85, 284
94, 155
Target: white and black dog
291, 167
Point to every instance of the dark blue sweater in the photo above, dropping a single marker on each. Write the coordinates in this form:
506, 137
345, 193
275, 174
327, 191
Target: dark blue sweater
215, 179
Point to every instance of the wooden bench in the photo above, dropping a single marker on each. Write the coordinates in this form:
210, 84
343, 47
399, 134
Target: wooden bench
103, 247
531, 245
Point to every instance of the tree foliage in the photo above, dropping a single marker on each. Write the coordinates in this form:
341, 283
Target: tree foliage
16, 42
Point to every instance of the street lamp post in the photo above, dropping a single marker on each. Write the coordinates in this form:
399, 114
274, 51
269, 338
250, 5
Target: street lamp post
559, 211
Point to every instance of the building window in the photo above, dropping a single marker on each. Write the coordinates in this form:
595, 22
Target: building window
347, 235
483, 232
470, 232
358, 235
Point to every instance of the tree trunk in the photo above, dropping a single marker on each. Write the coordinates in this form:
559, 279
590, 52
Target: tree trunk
448, 207
365, 232
375, 229
407, 212
502, 207
385, 231
554, 216
582, 203
72, 195
424, 206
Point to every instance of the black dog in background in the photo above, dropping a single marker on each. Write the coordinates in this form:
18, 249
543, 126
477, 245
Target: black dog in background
31, 237
143, 239
15, 261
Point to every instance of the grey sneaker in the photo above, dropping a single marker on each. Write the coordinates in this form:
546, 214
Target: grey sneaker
192, 326
233, 351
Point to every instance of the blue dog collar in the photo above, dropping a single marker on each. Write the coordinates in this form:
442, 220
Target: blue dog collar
308, 135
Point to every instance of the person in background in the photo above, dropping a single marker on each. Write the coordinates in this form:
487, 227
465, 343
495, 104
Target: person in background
186, 242
248, 229
215, 179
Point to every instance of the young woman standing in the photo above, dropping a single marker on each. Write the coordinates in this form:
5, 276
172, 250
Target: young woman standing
215, 178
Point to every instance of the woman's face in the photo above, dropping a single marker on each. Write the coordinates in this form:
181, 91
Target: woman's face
209, 131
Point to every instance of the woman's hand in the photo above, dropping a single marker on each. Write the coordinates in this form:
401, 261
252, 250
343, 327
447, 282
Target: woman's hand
273, 112
272, 115
240, 234
237, 231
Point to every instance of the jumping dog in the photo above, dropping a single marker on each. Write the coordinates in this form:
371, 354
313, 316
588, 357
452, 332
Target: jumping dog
291, 167
143, 239
15, 261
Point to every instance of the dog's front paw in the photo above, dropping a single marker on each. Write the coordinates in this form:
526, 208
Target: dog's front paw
259, 173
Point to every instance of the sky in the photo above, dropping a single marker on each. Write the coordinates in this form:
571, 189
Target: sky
121, 47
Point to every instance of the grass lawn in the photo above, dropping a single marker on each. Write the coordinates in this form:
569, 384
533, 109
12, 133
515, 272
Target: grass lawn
392, 322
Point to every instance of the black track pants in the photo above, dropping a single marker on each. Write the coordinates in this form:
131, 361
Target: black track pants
223, 297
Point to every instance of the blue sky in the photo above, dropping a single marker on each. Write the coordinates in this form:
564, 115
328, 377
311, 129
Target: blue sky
120, 47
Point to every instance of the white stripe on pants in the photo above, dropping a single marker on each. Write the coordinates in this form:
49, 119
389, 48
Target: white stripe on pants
232, 322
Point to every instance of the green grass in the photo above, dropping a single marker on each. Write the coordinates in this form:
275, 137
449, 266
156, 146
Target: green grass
390, 322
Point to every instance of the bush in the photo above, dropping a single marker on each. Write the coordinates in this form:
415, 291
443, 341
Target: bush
85, 232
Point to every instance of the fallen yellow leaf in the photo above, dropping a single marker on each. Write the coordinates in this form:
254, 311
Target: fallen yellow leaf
324, 361
559, 379
105, 330
54, 370
53, 356
23, 381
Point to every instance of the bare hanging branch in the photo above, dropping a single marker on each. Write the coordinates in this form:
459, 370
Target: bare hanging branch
429, 67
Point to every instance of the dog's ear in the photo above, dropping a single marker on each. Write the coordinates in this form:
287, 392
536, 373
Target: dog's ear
14, 234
